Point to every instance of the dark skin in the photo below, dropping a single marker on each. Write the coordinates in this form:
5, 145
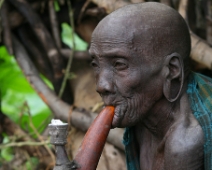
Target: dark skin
146, 83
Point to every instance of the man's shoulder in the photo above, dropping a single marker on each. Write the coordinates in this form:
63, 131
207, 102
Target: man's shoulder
185, 136
185, 147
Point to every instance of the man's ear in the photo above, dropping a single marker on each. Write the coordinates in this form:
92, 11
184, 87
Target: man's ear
174, 77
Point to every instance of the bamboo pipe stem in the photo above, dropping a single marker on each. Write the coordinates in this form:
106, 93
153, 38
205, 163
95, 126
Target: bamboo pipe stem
93, 143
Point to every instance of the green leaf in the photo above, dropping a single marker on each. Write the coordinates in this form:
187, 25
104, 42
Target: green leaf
16, 91
31, 164
67, 38
56, 6
6, 153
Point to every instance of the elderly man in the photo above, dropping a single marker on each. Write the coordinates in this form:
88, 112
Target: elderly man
140, 58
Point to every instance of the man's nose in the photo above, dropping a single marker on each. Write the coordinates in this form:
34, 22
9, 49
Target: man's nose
104, 83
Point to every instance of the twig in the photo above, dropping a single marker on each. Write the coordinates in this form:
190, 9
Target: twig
1, 2
68, 67
137, 1
182, 8
20, 144
111, 5
209, 25
166, 2
42, 34
6, 28
83, 10
97, 12
28, 158
37, 134
54, 23
38, 55
200, 51
58, 107
81, 55
97, 106
48, 44
44, 122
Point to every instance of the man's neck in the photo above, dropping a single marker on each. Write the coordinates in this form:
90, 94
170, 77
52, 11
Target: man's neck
163, 115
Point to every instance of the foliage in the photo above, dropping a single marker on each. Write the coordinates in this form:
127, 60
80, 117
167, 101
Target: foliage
20, 102
6, 153
16, 92
18, 99
67, 38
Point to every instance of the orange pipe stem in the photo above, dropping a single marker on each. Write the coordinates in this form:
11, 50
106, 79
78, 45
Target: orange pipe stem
93, 143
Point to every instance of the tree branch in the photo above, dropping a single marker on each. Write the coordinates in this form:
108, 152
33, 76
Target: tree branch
42, 34
6, 28
20, 144
54, 23
200, 50
111, 5
68, 67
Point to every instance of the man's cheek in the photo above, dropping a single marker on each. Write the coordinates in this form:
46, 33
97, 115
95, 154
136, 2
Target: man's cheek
124, 88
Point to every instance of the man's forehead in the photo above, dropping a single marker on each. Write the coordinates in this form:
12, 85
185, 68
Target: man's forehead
109, 48
128, 26
113, 32
150, 28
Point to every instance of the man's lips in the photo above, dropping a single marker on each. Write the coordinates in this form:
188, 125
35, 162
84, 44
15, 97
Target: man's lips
118, 117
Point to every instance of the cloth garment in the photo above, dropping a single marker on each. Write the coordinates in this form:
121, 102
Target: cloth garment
199, 91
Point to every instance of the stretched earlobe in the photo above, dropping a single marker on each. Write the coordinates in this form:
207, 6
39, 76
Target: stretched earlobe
174, 79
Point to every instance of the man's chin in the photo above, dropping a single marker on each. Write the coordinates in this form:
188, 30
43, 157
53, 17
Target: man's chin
116, 122
118, 117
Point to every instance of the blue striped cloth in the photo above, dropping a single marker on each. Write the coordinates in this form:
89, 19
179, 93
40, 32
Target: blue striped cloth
200, 96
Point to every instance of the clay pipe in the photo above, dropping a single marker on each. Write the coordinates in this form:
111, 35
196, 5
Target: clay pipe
88, 155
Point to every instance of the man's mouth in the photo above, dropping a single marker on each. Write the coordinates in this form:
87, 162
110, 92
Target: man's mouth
119, 110
118, 116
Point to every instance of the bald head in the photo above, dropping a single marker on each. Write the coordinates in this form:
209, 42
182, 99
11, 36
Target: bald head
153, 29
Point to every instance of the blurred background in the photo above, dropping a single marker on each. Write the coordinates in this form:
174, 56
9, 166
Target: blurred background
45, 73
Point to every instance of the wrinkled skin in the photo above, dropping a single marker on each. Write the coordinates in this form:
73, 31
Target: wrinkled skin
140, 79
122, 81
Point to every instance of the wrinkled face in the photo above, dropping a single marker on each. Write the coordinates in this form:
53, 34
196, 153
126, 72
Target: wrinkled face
125, 77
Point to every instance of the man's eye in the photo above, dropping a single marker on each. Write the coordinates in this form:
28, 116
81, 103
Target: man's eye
120, 66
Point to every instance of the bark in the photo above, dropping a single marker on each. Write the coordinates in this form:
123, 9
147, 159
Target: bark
6, 28
36, 52
42, 34
111, 5
83, 11
12, 129
137, 1
183, 8
15, 17
209, 22
200, 50
54, 24
86, 27
166, 2
81, 55
97, 12
46, 94
48, 44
